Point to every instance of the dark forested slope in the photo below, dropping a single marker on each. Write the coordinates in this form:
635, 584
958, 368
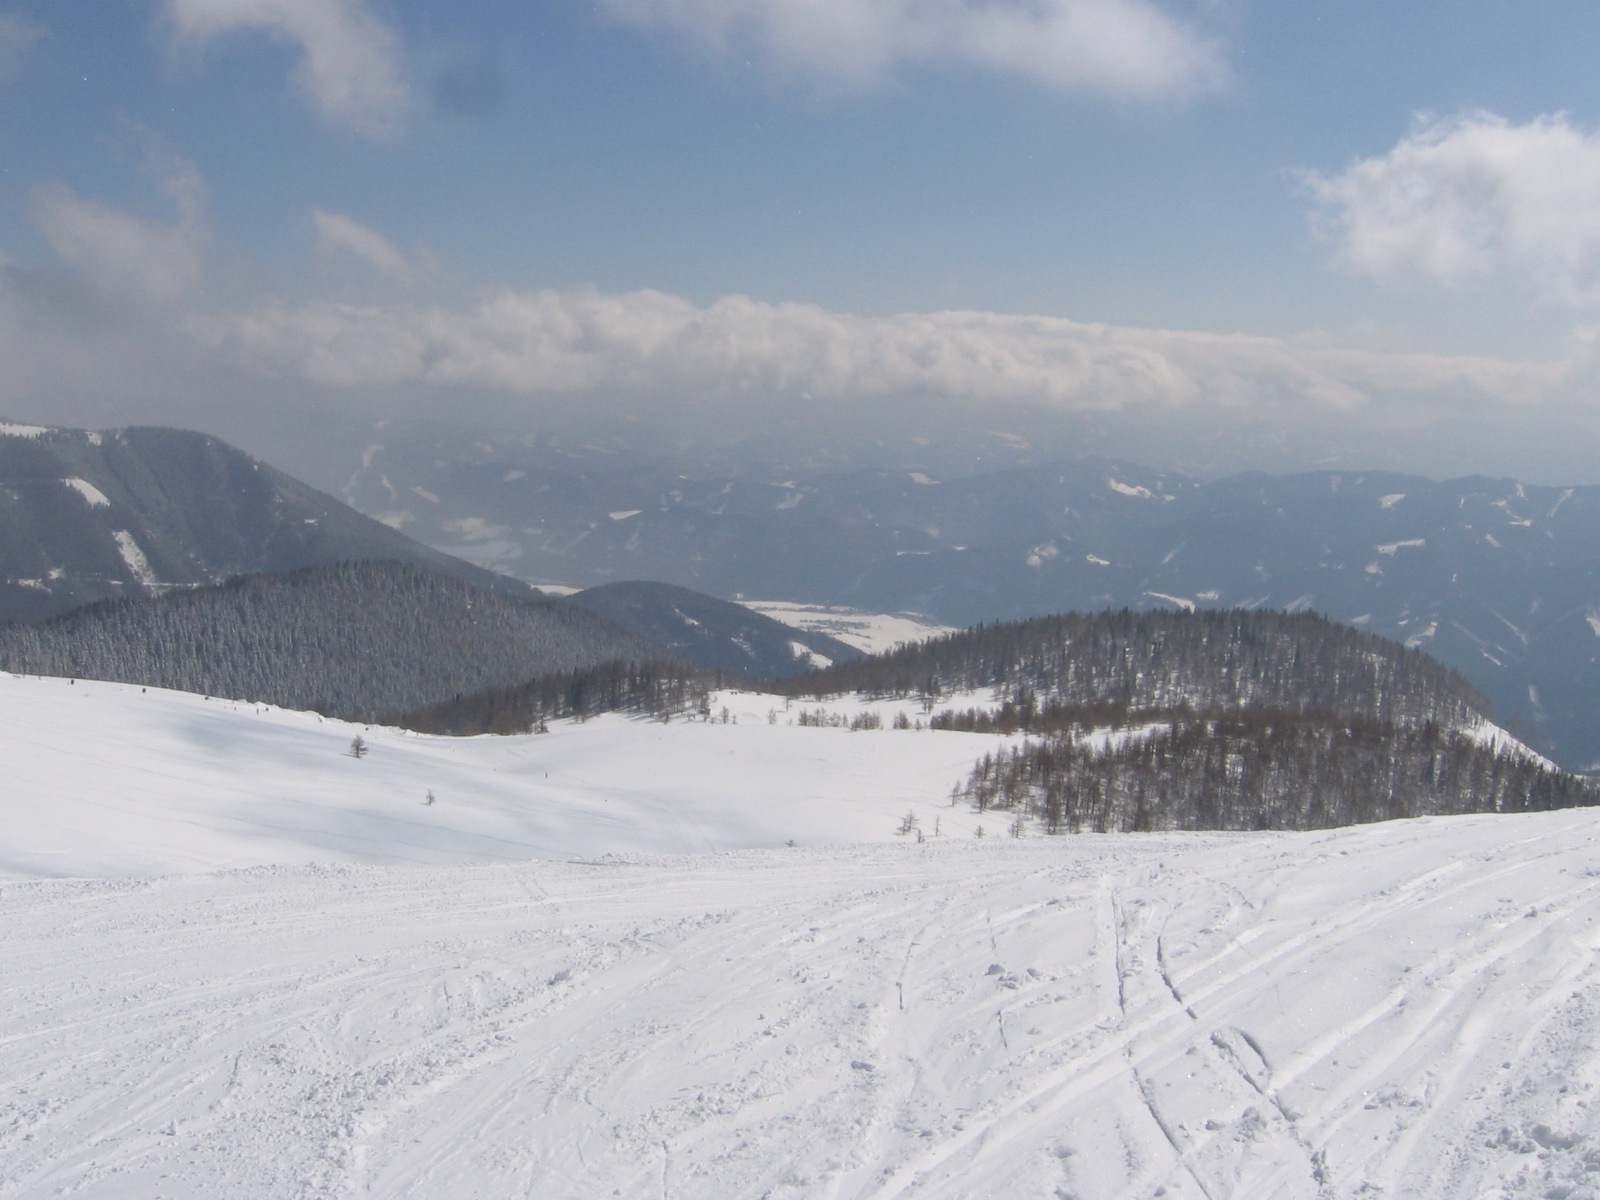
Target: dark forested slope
1165, 659
90, 515
353, 640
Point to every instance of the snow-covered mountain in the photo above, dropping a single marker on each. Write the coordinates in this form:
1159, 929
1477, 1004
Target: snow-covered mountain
89, 515
525, 987
1496, 578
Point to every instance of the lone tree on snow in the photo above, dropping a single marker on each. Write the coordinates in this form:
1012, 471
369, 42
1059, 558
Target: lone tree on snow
358, 748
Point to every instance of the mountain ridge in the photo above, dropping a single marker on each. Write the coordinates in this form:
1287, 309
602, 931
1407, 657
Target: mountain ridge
1498, 578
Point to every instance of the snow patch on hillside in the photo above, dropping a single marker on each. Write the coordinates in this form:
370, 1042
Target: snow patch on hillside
872, 633
92, 496
134, 557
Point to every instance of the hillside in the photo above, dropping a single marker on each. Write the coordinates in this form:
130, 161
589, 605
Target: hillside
92, 515
354, 640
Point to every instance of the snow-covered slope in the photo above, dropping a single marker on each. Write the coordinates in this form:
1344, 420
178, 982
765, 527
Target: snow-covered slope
1398, 1010
527, 988
105, 778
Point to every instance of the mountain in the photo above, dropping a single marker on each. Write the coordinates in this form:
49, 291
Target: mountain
716, 634
356, 640
90, 515
1497, 578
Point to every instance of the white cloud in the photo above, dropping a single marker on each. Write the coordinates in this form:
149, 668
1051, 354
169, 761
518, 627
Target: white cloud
336, 233
124, 257
1473, 198
1127, 49
18, 35
651, 342
350, 64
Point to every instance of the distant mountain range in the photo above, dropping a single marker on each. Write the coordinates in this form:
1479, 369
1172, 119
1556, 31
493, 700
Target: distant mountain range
1498, 579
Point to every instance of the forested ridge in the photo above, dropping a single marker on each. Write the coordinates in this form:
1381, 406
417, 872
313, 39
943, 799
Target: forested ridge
1137, 660
1210, 720
355, 640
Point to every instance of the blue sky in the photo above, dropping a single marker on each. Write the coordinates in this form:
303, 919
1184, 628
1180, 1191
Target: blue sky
1397, 206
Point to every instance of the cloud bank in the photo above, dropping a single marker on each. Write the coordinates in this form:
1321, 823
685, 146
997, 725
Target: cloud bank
1473, 198
1125, 49
647, 341
350, 66
156, 323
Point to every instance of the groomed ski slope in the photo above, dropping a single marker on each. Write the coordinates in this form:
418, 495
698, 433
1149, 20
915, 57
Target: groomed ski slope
1403, 1010
1407, 1010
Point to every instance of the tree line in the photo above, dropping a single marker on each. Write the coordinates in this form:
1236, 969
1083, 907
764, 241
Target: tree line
1232, 658
659, 687
354, 641
1263, 769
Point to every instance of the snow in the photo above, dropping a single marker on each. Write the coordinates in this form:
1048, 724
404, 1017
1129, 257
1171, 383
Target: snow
1395, 547
109, 779
529, 988
1391, 500
92, 496
812, 658
1409, 1009
8, 429
1125, 489
870, 632
134, 557
1182, 602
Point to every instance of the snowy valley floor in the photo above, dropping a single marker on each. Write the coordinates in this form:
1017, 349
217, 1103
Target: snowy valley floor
1409, 1010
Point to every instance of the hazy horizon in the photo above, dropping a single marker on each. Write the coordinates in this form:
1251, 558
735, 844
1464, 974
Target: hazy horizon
1204, 236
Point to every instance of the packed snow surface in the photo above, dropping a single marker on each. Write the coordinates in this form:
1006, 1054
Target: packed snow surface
1408, 1010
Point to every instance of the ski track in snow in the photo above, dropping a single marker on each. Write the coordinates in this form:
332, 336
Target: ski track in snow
1408, 1009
